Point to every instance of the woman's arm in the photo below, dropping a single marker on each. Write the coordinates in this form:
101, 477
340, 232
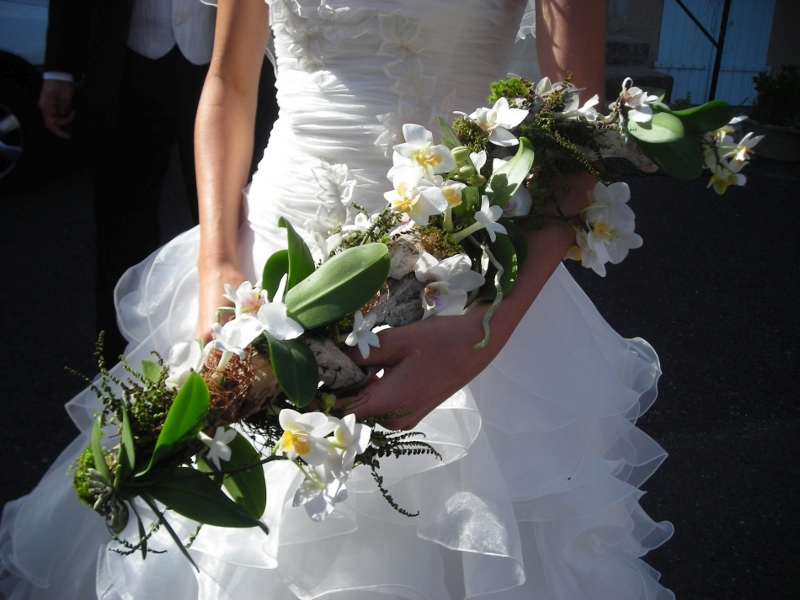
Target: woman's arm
428, 361
223, 145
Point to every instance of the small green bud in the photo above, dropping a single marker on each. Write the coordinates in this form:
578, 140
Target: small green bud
466, 171
477, 180
461, 154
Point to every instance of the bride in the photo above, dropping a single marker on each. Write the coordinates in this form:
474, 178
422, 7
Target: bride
537, 495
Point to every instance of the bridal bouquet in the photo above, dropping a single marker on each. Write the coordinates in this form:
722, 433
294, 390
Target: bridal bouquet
194, 430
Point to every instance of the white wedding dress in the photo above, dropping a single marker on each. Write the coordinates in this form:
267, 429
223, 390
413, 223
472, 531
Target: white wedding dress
537, 495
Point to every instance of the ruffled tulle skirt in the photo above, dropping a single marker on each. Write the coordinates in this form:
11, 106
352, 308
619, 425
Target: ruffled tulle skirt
536, 496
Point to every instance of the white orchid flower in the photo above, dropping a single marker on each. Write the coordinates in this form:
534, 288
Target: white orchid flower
497, 121
587, 111
725, 174
420, 151
609, 202
744, 148
183, 358
520, 202
319, 493
274, 319
362, 334
247, 298
218, 448
361, 222
447, 284
350, 439
612, 222
638, 101
591, 251
322, 246
416, 196
487, 218
233, 337
304, 436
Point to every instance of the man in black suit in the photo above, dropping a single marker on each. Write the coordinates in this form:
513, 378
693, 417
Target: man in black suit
138, 67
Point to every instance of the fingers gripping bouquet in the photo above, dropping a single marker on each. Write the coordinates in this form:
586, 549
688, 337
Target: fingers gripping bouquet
277, 383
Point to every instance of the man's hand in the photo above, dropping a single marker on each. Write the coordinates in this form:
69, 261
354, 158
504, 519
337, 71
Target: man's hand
55, 102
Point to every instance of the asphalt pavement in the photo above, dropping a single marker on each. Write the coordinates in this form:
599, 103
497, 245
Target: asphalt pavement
714, 289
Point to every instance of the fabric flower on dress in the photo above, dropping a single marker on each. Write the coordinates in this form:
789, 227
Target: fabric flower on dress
218, 448
447, 283
362, 334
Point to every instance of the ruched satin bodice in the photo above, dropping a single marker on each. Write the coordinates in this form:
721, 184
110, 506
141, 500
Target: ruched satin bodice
350, 75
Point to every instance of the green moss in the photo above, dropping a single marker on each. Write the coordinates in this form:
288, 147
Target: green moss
470, 134
437, 242
514, 87
80, 478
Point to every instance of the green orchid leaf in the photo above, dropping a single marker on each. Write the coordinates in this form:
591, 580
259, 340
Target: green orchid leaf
504, 252
449, 135
518, 239
706, 117
190, 493
511, 175
127, 453
301, 263
661, 129
295, 369
247, 487
682, 158
184, 419
470, 204
275, 268
151, 370
97, 450
341, 285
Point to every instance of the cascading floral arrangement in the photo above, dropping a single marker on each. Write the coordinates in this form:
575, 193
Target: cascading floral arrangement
276, 382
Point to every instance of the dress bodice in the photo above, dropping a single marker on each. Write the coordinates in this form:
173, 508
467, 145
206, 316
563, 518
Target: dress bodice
350, 74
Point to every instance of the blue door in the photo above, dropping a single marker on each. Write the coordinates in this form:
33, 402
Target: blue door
686, 54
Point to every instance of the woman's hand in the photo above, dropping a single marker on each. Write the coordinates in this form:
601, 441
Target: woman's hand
428, 361
213, 278
425, 363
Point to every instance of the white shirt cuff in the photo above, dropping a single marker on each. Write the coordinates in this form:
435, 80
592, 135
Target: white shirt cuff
58, 76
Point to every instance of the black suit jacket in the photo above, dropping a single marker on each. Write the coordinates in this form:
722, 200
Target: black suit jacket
88, 39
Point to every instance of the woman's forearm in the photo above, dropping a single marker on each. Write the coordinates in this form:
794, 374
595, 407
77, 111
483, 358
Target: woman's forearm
224, 145
225, 123
570, 37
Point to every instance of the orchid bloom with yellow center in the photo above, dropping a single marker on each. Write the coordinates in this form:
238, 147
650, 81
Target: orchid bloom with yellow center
420, 151
304, 436
416, 196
